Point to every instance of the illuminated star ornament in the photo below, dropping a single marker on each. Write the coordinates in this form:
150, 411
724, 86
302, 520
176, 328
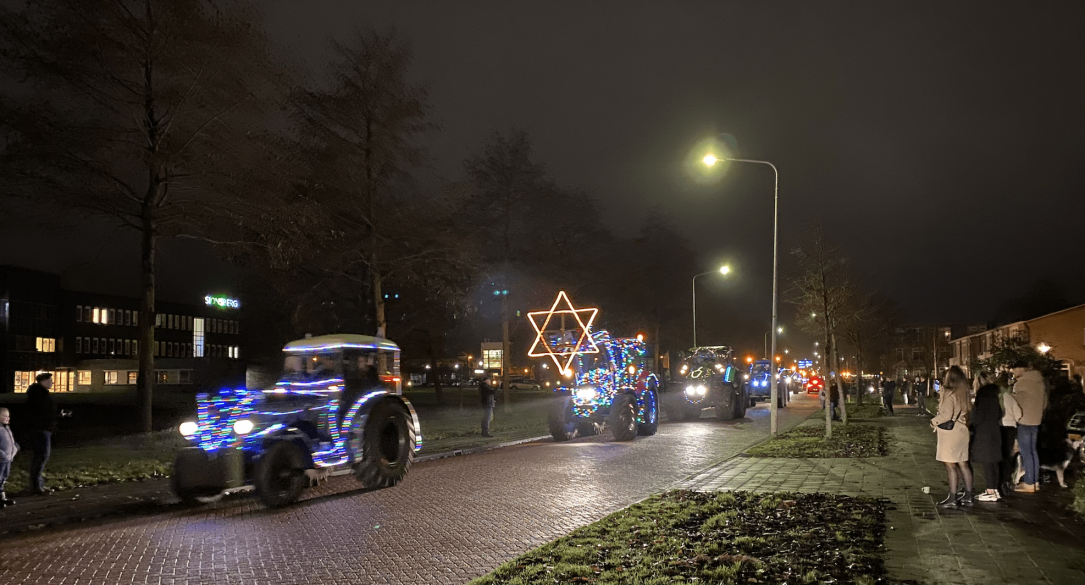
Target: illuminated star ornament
562, 345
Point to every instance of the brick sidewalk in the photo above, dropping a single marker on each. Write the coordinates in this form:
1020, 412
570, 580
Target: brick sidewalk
1023, 539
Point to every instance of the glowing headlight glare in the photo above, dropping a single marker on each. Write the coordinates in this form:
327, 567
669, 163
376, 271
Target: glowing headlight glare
586, 394
690, 390
243, 426
188, 428
701, 390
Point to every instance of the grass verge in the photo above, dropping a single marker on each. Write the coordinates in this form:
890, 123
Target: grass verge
808, 442
736, 537
865, 411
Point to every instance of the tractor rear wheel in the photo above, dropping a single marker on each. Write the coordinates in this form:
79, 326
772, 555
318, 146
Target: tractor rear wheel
623, 418
651, 414
387, 445
557, 420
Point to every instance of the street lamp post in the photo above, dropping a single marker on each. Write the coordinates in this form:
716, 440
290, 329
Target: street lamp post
778, 330
722, 270
711, 160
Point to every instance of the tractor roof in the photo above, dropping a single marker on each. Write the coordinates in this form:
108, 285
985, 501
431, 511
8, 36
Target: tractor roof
339, 340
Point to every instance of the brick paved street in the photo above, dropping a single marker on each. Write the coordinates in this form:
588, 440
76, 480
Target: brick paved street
1024, 539
450, 521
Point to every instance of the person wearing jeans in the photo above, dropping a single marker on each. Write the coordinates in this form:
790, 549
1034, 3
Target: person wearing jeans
1031, 394
41, 422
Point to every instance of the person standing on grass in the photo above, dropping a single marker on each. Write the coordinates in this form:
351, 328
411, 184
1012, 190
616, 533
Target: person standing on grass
954, 406
986, 436
8, 449
889, 390
1008, 426
41, 421
1031, 395
489, 400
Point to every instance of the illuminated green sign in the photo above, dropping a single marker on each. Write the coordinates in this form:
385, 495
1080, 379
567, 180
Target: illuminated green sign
221, 301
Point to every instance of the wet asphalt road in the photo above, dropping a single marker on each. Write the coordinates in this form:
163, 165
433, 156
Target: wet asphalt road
451, 520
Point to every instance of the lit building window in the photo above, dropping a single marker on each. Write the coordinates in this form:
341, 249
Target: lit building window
84, 377
135, 317
111, 377
97, 315
133, 377
491, 359
47, 344
197, 337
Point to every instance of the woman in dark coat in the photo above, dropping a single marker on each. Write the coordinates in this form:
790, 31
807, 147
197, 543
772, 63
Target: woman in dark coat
987, 436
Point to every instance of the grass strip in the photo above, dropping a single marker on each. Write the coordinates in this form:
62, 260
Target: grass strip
735, 537
809, 442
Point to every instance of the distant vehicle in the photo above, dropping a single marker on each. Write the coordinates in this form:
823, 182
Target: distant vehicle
613, 388
337, 409
708, 378
759, 386
521, 383
815, 385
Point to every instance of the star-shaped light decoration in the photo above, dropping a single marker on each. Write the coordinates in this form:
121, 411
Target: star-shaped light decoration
571, 343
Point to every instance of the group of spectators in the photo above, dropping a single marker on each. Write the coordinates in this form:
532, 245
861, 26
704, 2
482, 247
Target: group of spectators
984, 432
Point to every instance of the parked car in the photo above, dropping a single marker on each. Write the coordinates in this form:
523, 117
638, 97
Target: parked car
338, 408
708, 378
520, 383
613, 388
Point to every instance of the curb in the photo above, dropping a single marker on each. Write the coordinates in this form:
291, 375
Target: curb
479, 449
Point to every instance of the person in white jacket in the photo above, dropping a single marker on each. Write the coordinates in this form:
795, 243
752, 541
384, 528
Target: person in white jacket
1011, 413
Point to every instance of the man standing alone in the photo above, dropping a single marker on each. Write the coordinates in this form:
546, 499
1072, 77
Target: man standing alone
489, 401
1031, 395
889, 390
41, 421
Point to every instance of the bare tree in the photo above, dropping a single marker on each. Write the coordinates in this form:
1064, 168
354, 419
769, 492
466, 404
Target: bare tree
821, 291
137, 111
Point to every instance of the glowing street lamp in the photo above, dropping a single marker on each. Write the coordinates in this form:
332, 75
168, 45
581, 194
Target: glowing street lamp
724, 270
711, 159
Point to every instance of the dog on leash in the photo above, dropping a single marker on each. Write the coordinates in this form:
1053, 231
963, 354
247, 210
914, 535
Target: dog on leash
1057, 461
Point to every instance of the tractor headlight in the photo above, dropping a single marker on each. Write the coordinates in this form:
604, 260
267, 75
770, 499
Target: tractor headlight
701, 390
243, 426
188, 428
586, 394
745, 376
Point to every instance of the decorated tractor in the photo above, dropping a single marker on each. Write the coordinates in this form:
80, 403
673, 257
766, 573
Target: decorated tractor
337, 409
708, 378
759, 384
611, 388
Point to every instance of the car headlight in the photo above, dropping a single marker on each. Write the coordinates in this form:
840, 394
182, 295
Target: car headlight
188, 428
243, 426
586, 394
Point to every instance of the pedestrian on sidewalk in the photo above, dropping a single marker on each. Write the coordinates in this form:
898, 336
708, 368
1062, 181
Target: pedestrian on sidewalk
41, 422
906, 390
489, 400
986, 436
889, 390
8, 449
1031, 395
921, 395
1011, 413
953, 412
834, 399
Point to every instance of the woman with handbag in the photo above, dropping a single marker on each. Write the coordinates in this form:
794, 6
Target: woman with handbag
951, 426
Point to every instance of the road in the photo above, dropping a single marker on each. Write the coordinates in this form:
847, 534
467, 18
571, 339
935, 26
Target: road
451, 520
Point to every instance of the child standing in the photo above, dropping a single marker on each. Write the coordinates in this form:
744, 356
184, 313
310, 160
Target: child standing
8, 449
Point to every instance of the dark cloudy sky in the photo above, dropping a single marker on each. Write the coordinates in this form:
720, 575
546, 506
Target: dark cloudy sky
939, 143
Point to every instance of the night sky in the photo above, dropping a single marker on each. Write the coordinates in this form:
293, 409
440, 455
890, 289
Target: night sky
940, 144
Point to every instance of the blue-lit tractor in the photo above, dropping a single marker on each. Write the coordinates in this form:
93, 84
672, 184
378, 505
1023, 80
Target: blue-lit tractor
613, 388
337, 409
759, 384
708, 378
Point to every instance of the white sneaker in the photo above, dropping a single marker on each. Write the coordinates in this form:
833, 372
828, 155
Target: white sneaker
988, 497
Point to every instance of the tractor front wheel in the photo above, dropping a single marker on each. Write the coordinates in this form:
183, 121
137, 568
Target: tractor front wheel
280, 474
725, 411
557, 420
623, 417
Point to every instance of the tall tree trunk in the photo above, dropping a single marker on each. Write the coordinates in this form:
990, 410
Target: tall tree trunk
839, 385
378, 298
859, 390
145, 378
506, 360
